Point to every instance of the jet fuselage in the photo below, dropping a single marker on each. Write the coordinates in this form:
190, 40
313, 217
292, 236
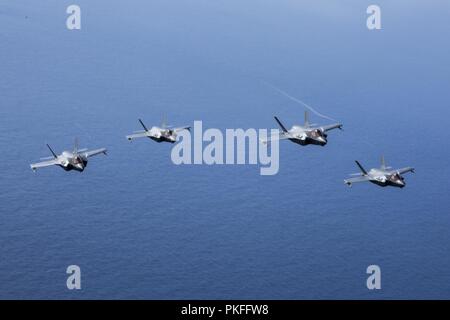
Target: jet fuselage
305, 136
384, 178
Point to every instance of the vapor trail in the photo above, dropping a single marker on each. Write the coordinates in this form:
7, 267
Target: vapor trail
287, 95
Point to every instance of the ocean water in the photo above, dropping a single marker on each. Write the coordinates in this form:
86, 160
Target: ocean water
141, 227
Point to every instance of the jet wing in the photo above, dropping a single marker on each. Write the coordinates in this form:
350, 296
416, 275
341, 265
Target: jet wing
280, 136
138, 135
92, 153
356, 179
182, 128
331, 127
404, 170
43, 164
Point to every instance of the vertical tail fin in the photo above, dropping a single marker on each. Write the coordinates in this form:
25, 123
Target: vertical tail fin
53, 153
361, 167
306, 119
280, 124
383, 163
75, 146
143, 125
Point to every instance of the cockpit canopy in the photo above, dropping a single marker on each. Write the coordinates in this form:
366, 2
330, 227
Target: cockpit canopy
316, 133
77, 160
396, 176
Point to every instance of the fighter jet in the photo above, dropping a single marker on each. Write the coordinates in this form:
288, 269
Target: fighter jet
384, 176
305, 134
158, 134
69, 160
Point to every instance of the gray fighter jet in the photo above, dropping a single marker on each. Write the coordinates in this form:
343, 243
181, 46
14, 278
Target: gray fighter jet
305, 134
384, 176
69, 160
158, 134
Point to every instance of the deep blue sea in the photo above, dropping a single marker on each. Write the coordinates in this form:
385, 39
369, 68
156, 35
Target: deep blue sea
141, 227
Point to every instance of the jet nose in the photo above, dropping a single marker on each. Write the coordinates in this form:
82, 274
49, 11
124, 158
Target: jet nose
401, 183
322, 140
